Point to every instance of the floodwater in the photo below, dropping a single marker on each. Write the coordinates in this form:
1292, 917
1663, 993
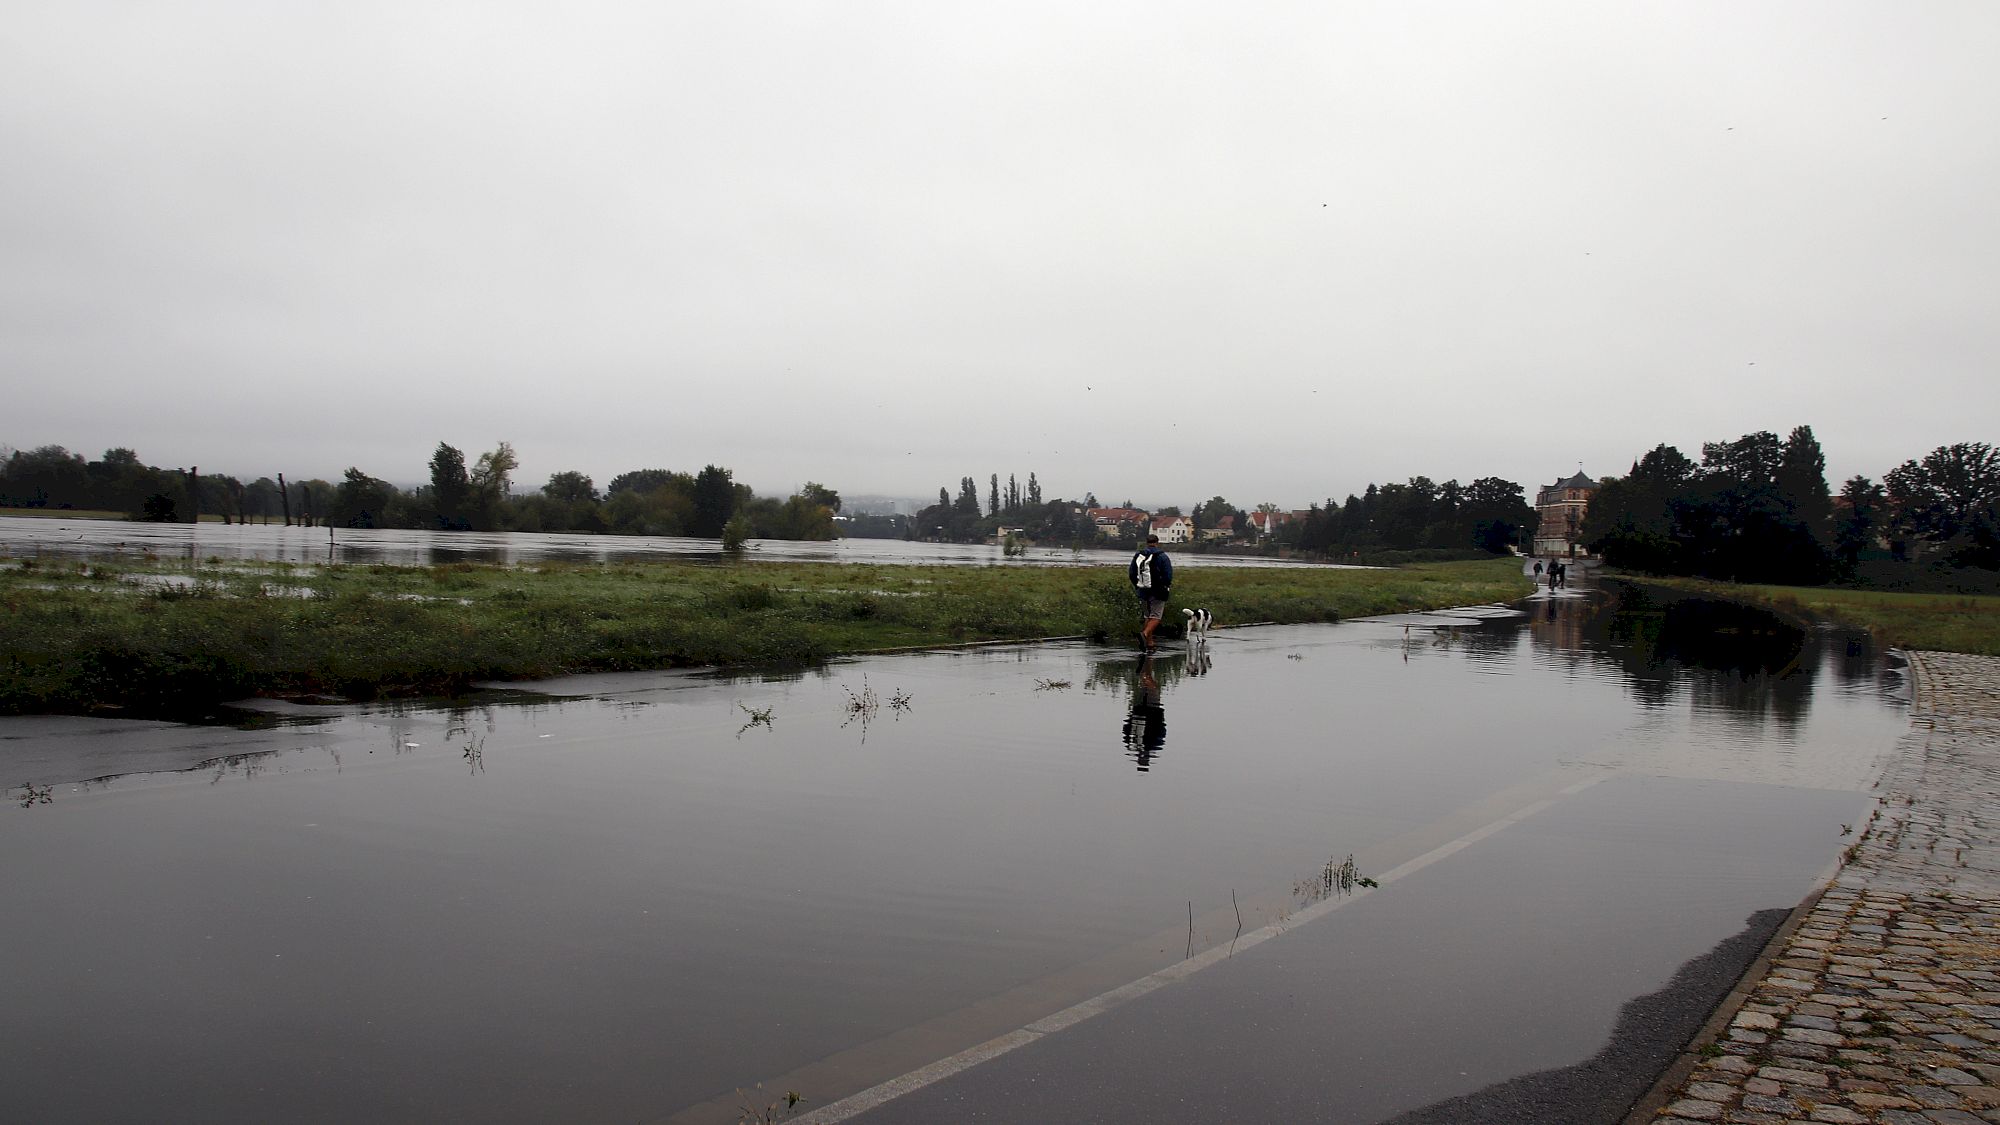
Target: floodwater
629, 897
55, 537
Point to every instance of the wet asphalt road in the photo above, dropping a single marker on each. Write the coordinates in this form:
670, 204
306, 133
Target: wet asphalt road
1416, 1003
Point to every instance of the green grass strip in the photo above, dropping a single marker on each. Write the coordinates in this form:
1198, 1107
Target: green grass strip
1934, 622
80, 637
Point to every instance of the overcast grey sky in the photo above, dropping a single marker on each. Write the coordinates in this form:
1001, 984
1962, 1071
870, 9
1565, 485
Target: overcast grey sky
1155, 250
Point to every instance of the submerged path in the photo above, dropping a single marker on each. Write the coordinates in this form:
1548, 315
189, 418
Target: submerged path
1883, 1005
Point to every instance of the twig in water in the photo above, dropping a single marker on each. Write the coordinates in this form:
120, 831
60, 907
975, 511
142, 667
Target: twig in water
759, 717
1190, 947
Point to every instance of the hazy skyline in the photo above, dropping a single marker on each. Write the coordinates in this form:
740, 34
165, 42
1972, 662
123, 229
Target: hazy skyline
1157, 251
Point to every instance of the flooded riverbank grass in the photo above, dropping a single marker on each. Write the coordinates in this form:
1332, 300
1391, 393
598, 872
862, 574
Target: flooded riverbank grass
1935, 622
162, 639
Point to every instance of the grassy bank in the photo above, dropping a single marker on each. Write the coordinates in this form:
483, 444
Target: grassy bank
160, 639
1939, 622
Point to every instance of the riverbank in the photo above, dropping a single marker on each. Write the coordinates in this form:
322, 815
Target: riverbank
1881, 1004
162, 639
1965, 623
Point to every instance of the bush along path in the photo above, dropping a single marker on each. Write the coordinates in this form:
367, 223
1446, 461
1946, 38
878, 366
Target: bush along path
1884, 1004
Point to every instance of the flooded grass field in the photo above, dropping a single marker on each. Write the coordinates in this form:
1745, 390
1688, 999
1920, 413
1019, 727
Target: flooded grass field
626, 897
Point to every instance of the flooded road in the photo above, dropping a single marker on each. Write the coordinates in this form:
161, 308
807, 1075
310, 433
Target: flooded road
631, 896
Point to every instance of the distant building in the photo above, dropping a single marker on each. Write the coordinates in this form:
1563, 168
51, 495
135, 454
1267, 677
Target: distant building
1223, 529
1113, 522
1173, 529
1268, 523
1561, 507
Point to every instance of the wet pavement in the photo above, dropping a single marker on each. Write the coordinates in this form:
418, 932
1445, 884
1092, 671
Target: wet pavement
1398, 1000
1883, 1005
1880, 1002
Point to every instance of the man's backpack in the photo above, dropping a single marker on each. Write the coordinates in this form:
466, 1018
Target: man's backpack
1142, 571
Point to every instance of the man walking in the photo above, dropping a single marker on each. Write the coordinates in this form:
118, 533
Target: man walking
1152, 575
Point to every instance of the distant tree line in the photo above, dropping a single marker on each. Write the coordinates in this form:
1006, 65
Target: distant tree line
1758, 509
459, 497
961, 518
1489, 515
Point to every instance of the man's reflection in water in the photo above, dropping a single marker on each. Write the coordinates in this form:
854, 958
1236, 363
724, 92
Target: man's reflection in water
1146, 726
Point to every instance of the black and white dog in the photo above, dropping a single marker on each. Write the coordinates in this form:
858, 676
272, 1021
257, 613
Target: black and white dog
1198, 621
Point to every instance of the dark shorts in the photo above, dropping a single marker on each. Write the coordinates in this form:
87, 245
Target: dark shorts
1151, 605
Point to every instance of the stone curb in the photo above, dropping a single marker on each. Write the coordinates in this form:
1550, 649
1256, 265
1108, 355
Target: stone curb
1676, 1076
1879, 1002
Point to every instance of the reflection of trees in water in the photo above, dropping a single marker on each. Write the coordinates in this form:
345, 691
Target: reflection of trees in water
1733, 660
445, 556
1486, 646
1856, 663
1118, 675
247, 765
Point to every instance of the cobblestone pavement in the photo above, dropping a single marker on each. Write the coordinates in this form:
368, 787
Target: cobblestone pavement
1884, 1004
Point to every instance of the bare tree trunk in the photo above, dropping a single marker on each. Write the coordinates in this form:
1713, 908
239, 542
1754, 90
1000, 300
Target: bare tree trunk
236, 494
285, 497
194, 494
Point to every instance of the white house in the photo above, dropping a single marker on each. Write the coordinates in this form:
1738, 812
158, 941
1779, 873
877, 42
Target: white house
1173, 529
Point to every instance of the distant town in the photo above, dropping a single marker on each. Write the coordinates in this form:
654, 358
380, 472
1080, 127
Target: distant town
1757, 508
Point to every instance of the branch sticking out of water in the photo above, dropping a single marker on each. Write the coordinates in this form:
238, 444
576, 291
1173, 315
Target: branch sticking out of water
759, 717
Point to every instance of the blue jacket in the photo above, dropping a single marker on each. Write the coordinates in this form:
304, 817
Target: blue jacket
1162, 567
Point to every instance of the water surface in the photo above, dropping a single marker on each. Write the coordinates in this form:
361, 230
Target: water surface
628, 897
34, 536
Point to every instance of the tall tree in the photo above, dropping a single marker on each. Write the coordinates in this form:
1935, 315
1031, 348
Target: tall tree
570, 487
1950, 501
993, 497
1633, 520
491, 481
1858, 518
360, 500
119, 482
1802, 481
821, 496
451, 488
1496, 512
45, 477
714, 502
1034, 491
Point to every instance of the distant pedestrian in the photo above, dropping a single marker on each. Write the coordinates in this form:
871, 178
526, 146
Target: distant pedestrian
1152, 576
1562, 576
1538, 572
